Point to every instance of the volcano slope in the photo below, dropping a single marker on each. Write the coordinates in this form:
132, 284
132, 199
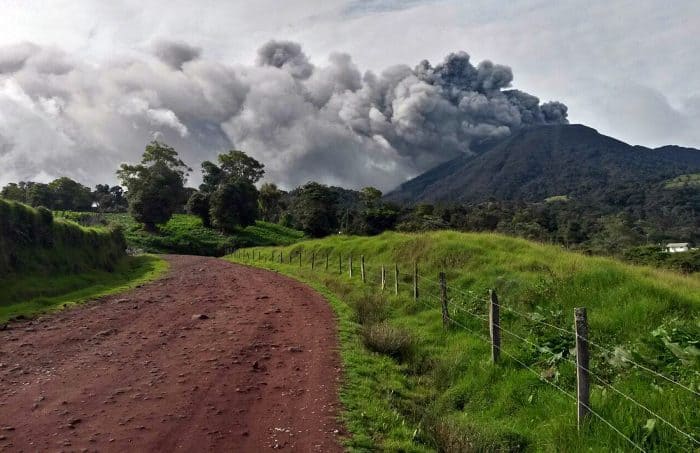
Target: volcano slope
213, 357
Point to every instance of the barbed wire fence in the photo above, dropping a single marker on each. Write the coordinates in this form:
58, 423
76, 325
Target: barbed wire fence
447, 298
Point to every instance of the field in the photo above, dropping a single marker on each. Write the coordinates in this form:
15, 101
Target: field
413, 386
185, 234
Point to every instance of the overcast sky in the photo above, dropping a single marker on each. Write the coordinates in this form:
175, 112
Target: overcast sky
84, 84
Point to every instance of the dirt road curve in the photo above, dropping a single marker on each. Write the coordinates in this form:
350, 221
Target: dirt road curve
140, 372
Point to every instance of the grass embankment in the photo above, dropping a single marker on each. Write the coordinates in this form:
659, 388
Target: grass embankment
46, 263
185, 234
31, 295
426, 389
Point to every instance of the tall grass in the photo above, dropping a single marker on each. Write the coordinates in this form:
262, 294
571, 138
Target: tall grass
450, 395
32, 241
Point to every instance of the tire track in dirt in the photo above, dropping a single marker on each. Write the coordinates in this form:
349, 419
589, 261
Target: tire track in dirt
141, 371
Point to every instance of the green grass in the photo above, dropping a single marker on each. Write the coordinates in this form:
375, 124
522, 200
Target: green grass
35, 294
684, 181
33, 241
185, 234
446, 395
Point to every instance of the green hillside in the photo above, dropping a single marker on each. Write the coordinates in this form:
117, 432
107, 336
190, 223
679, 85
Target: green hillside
684, 181
185, 234
426, 389
47, 262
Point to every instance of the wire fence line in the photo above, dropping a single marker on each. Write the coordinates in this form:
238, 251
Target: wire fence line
380, 279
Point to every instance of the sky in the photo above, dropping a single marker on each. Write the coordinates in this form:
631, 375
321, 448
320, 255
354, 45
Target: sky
331, 90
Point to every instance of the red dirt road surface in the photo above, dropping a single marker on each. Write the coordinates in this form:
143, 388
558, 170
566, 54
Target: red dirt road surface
213, 357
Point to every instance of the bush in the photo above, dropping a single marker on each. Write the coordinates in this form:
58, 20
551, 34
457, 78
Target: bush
370, 309
459, 436
387, 339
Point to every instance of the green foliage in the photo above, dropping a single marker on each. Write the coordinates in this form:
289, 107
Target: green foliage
238, 165
198, 205
445, 395
31, 241
315, 209
234, 204
684, 181
69, 195
28, 295
187, 235
156, 185
270, 199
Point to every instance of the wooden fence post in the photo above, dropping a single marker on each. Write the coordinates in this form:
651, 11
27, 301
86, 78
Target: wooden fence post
299, 258
494, 326
415, 280
362, 268
350, 265
443, 299
281, 258
396, 279
383, 278
313, 260
582, 384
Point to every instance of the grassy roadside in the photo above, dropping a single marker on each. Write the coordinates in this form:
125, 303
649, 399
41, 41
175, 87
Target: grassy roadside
35, 294
426, 389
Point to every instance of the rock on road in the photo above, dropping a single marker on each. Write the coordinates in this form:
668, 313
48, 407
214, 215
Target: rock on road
213, 357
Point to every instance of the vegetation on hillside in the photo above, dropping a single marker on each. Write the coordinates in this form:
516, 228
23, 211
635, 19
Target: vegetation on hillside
427, 389
32, 241
186, 234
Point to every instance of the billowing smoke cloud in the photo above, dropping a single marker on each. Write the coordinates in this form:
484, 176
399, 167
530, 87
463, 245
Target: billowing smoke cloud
329, 123
174, 53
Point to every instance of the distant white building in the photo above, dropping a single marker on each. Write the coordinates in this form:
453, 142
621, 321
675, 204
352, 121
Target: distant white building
677, 247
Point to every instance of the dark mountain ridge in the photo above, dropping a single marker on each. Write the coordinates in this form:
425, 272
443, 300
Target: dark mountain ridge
539, 162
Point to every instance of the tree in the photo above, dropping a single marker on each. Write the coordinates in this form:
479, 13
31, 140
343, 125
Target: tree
234, 204
232, 196
238, 165
316, 210
156, 185
39, 194
14, 191
270, 198
198, 205
69, 195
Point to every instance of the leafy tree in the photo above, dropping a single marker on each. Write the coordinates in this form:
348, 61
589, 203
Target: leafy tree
69, 195
315, 209
234, 204
238, 165
110, 199
39, 194
270, 202
198, 205
211, 177
156, 185
14, 191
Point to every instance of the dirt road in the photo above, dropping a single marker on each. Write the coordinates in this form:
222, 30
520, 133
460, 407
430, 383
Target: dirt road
214, 357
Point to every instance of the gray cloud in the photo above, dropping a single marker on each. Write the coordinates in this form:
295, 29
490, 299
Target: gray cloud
175, 53
328, 122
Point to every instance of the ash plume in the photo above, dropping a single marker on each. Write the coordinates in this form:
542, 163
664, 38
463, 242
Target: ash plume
326, 122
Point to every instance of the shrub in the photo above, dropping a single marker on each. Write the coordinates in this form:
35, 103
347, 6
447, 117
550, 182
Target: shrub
370, 309
459, 436
387, 339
